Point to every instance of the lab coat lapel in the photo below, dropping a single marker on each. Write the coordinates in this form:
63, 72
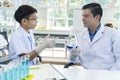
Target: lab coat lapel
98, 35
87, 37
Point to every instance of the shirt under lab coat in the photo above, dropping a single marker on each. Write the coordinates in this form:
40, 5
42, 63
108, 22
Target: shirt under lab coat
21, 42
102, 53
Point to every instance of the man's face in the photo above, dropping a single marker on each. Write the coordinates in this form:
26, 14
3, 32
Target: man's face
88, 19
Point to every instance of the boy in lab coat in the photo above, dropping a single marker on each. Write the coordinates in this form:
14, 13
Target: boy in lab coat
22, 41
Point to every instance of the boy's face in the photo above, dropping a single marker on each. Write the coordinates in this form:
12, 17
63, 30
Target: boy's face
31, 21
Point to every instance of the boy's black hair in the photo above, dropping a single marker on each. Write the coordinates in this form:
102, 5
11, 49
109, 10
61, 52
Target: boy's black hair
24, 11
95, 9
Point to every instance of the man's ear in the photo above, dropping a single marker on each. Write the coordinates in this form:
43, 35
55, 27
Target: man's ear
97, 17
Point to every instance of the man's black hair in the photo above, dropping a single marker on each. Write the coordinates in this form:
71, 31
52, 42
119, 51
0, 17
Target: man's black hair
95, 9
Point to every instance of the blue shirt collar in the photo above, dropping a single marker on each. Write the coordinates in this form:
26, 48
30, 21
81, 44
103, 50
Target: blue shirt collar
95, 30
93, 34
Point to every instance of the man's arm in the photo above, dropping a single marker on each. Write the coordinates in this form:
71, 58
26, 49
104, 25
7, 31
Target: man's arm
116, 51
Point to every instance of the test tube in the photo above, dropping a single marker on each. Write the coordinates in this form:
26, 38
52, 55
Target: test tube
27, 59
1, 73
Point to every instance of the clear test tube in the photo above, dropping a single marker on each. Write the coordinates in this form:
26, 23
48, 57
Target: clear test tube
72, 42
4, 68
19, 71
22, 67
13, 73
1, 73
8, 72
27, 60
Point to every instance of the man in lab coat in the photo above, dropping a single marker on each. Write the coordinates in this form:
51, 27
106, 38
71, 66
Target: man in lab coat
98, 46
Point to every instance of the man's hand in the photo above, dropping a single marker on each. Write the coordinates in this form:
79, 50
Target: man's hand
74, 52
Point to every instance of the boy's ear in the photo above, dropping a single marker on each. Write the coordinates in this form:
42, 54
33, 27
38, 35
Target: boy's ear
24, 21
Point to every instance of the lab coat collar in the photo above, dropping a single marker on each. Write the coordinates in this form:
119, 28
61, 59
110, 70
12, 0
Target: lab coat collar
98, 35
23, 31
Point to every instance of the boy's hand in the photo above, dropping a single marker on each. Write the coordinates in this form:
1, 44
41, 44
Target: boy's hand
47, 43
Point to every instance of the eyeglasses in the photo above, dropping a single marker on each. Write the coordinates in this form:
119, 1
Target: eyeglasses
32, 19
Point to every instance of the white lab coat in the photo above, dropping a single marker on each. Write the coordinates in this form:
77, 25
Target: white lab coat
103, 52
3, 42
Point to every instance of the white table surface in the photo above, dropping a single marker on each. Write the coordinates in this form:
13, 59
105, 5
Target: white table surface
80, 74
75, 74
44, 71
